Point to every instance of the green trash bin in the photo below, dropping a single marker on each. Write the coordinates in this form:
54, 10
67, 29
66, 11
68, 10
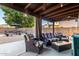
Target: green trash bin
75, 45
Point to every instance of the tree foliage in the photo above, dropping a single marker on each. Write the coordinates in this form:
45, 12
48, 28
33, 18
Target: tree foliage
13, 16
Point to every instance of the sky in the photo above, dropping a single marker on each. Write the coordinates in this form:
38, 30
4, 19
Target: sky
44, 22
1, 17
2, 21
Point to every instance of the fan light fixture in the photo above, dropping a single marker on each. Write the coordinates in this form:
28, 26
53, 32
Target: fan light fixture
61, 5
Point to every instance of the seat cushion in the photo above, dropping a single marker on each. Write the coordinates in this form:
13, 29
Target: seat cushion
38, 43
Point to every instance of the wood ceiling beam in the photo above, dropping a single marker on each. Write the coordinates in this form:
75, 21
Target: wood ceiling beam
19, 9
62, 9
65, 17
66, 12
27, 5
52, 9
39, 8
69, 14
10, 5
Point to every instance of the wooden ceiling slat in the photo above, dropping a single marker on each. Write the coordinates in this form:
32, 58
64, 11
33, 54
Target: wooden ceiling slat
52, 9
37, 9
18, 8
69, 14
56, 9
61, 14
13, 6
27, 6
61, 10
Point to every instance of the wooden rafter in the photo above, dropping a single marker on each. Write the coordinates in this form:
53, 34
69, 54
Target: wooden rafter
56, 11
27, 5
52, 9
19, 9
70, 11
61, 10
75, 14
39, 8
12, 6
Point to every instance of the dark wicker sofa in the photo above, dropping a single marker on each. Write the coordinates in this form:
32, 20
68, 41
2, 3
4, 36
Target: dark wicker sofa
47, 38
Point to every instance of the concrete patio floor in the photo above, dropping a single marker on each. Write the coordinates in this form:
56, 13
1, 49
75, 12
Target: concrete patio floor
49, 52
17, 48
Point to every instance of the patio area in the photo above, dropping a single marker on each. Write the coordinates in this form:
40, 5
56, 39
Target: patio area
49, 52
15, 46
49, 43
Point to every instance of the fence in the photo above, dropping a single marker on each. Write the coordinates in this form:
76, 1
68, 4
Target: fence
67, 30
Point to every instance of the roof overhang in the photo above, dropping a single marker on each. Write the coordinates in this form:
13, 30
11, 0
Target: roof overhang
48, 11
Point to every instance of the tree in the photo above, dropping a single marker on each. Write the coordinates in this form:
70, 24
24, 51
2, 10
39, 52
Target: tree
13, 16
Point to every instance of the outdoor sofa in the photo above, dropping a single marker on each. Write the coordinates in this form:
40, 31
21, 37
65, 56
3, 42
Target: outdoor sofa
47, 38
33, 44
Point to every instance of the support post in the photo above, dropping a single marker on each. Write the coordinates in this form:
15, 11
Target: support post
53, 27
38, 27
77, 23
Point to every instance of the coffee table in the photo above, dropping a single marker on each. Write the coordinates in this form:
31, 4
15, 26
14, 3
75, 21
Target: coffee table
61, 45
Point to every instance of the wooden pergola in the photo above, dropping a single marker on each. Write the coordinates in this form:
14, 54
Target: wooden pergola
49, 11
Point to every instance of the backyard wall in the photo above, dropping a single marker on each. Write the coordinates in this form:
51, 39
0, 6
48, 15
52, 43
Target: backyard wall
25, 30
67, 27
67, 31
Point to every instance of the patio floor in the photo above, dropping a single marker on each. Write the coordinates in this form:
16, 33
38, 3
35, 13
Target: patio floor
49, 52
